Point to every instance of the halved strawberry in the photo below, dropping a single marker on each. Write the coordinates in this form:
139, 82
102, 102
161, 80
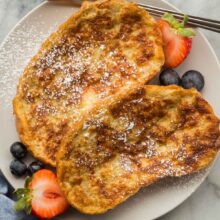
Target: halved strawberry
42, 196
177, 40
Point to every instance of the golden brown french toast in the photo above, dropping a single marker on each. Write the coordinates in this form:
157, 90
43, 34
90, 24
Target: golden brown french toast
149, 134
108, 48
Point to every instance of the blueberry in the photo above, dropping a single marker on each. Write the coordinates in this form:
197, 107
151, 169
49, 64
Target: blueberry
7, 211
193, 79
169, 77
18, 168
18, 150
34, 167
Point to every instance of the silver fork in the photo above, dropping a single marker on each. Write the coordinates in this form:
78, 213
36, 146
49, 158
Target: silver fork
205, 23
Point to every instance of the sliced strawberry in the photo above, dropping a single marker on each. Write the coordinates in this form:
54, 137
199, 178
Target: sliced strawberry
177, 40
44, 195
48, 200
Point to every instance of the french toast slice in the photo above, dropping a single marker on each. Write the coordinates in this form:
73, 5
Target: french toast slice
106, 49
149, 134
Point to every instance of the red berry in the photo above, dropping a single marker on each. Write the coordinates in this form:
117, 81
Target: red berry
41, 195
176, 47
47, 198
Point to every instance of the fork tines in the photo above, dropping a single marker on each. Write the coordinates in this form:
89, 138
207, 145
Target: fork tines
209, 24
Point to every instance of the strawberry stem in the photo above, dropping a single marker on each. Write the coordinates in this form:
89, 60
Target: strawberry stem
185, 20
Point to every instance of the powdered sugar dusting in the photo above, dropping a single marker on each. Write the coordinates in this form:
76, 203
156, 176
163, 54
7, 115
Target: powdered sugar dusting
15, 53
126, 164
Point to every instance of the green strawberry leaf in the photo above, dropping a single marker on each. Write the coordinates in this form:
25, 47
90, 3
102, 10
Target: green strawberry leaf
179, 26
23, 198
28, 181
173, 22
20, 204
21, 192
186, 32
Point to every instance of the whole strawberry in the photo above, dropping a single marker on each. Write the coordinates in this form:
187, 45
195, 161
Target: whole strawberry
177, 40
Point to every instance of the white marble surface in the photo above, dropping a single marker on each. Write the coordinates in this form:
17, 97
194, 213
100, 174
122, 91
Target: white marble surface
204, 204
